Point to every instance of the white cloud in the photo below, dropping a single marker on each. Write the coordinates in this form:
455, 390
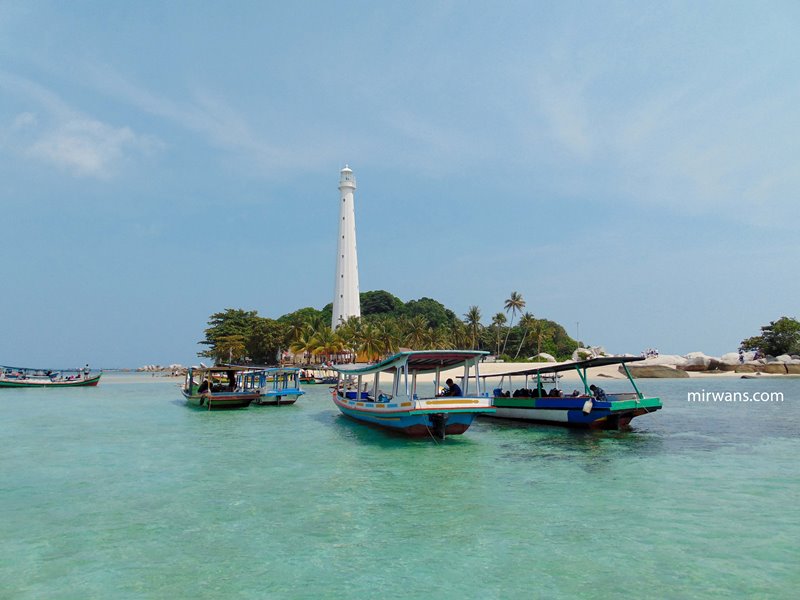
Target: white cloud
65, 137
88, 148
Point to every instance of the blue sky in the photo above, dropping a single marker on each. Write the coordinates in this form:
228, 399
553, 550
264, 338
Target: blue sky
631, 166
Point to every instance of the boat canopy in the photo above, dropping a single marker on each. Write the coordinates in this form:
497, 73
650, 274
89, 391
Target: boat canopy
220, 369
568, 365
265, 369
6, 369
419, 361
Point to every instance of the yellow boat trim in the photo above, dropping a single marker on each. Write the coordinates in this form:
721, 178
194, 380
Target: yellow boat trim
381, 405
453, 401
405, 404
359, 404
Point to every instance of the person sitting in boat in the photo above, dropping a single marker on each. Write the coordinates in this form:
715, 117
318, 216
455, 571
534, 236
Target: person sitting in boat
231, 381
554, 393
453, 389
598, 393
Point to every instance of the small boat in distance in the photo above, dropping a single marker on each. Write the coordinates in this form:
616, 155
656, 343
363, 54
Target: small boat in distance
20, 377
322, 376
404, 407
592, 408
215, 388
275, 386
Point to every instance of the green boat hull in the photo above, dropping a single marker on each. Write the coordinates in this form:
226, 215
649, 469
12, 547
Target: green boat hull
22, 383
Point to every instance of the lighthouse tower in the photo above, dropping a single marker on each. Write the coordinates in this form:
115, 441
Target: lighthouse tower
346, 300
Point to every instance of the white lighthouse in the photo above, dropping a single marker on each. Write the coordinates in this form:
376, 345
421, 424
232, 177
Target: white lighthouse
346, 300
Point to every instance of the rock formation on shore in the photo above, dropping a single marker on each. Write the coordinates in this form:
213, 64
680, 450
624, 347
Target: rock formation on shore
697, 362
175, 370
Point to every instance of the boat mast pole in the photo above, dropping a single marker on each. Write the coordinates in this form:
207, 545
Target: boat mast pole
633, 383
582, 375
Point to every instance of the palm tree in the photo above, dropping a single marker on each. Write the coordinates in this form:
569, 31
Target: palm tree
497, 322
350, 333
303, 343
370, 342
459, 335
541, 330
438, 338
526, 321
514, 303
326, 342
416, 332
473, 320
389, 336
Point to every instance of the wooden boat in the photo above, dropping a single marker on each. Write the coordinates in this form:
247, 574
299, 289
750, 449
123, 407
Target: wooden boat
580, 409
403, 408
15, 377
317, 376
275, 386
215, 388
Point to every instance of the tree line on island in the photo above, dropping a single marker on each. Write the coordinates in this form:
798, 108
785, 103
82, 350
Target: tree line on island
386, 325
780, 337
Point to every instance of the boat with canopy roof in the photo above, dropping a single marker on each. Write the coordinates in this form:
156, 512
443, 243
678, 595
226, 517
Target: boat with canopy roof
215, 388
21, 377
591, 408
404, 406
275, 385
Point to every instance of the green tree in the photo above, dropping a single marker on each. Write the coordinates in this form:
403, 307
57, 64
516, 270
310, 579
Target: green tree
779, 337
472, 318
416, 332
350, 333
230, 327
371, 345
526, 323
326, 342
304, 343
514, 303
379, 302
433, 311
498, 321
229, 349
265, 341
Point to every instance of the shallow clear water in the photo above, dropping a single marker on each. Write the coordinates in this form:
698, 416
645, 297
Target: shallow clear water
124, 492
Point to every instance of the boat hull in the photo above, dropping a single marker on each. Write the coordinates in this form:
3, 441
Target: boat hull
278, 397
221, 400
569, 412
414, 422
28, 383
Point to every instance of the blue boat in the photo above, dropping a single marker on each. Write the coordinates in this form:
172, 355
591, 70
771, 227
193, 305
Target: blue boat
402, 406
275, 386
593, 408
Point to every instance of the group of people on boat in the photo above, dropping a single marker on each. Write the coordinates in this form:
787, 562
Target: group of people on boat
539, 392
38, 374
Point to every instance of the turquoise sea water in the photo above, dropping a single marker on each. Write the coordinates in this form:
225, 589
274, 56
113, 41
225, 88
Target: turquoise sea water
124, 492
